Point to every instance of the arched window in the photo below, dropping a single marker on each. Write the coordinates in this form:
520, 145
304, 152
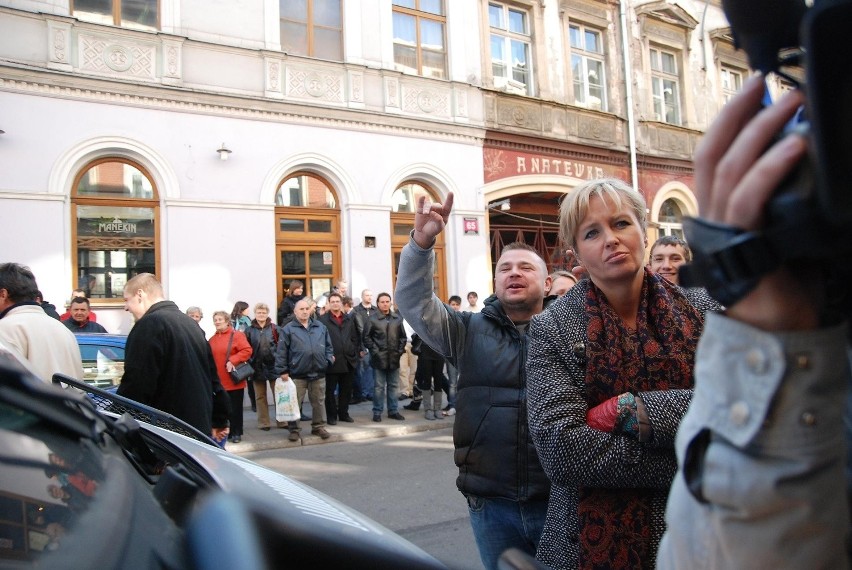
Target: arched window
403, 204
670, 218
115, 219
307, 234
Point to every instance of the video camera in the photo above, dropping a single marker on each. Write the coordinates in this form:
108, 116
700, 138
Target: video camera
809, 220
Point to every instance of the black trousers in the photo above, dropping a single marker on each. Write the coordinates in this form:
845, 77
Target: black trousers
342, 382
236, 397
429, 372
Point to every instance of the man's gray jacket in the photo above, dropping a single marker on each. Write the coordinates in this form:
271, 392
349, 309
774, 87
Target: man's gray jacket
493, 450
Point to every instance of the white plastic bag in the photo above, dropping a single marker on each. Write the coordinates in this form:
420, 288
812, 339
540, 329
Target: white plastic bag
286, 404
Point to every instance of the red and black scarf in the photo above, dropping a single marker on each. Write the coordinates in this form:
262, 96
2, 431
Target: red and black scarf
615, 524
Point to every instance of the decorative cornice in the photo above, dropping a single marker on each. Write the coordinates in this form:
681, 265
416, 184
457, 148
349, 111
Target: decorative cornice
38, 82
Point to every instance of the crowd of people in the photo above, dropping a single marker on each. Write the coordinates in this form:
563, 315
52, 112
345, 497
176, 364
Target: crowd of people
592, 428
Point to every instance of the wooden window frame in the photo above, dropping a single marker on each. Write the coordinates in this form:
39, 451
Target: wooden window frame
76, 201
310, 25
116, 15
419, 15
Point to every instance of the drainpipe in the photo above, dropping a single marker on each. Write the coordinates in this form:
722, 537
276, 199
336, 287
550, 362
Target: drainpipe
628, 87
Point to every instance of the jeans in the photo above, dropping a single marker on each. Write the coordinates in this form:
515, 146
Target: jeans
364, 379
500, 524
387, 381
453, 384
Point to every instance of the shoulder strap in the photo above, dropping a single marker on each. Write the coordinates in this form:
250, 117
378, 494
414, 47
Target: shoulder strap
230, 342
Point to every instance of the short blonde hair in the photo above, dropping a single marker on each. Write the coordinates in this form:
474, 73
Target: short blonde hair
575, 206
146, 282
263, 306
225, 314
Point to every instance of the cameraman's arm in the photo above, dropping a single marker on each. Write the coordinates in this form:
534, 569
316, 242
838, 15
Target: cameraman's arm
761, 450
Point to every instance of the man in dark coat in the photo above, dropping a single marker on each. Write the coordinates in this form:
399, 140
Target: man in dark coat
79, 321
343, 331
385, 338
167, 364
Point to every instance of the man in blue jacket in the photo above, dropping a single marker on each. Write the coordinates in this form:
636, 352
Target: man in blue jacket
303, 355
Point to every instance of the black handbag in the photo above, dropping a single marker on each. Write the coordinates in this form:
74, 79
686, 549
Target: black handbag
241, 371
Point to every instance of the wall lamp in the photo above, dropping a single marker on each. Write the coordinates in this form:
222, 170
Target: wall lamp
224, 152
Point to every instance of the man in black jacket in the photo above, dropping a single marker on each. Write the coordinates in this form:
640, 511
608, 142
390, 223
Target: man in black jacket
362, 388
167, 364
499, 471
385, 338
347, 345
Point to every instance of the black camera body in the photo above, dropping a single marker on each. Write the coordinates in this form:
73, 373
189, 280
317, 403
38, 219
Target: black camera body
809, 219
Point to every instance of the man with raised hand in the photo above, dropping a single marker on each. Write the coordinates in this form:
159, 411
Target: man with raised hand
499, 470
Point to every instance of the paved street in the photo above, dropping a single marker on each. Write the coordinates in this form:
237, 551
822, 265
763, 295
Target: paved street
405, 482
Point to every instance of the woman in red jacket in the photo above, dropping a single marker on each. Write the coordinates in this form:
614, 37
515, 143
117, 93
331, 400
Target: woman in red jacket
225, 362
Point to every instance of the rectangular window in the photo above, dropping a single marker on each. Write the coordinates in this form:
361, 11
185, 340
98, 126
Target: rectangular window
587, 67
419, 37
511, 51
313, 28
114, 244
665, 86
135, 14
732, 82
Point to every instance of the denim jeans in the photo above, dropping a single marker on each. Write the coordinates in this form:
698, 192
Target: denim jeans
364, 378
387, 382
453, 385
500, 524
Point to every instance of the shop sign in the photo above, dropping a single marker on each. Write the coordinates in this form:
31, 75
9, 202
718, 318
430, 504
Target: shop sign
499, 163
114, 227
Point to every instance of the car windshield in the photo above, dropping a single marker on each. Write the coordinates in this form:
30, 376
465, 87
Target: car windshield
48, 482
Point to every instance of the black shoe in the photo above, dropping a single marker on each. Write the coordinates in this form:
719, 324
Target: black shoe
305, 418
346, 418
396, 416
414, 406
404, 396
377, 417
237, 439
254, 409
332, 422
264, 428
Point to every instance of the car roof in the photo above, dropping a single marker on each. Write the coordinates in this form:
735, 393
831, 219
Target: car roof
106, 339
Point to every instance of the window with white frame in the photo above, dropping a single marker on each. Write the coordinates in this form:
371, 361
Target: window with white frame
665, 89
587, 67
732, 82
135, 14
419, 37
511, 48
671, 218
312, 27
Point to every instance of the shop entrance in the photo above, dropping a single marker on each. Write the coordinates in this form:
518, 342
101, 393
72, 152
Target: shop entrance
531, 218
